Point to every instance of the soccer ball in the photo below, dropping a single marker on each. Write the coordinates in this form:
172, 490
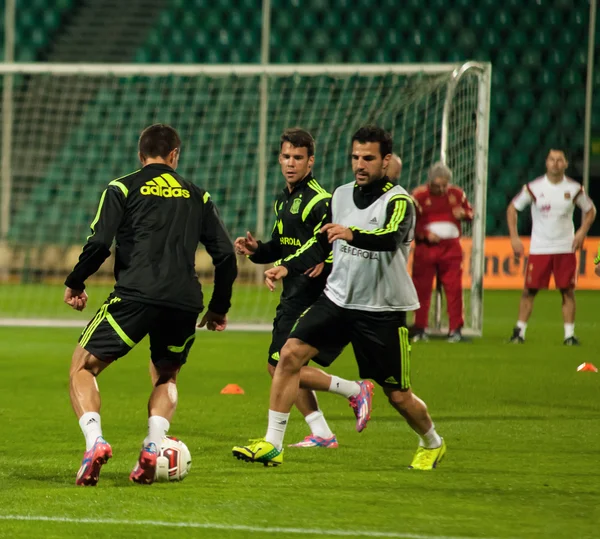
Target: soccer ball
174, 460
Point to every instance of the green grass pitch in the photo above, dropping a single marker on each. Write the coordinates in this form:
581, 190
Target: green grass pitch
521, 424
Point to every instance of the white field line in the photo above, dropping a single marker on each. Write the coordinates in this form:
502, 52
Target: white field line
228, 527
57, 323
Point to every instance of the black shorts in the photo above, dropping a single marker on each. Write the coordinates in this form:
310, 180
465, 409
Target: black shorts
284, 321
121, 323
379, 339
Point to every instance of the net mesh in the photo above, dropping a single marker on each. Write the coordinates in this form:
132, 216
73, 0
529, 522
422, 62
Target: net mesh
74, 133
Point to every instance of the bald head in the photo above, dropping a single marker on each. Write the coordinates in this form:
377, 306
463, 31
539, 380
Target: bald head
394, 167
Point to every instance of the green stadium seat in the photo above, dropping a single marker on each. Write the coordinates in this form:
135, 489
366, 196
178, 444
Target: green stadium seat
568, 39
572, 78
439, 39
426, 21
377, 20
540, 120
357, 56
467, 41
503, 140
552, 19
506, 60
404, 55
580, 59
368, 39
213, 20
517, 39
520, 78
477, 20
320, 39
491, 39
453, 21
331, 20
546, 78
283, 55
540, 38
531, 58
503, 20
576, 102
332, 56
319, 5
513, 121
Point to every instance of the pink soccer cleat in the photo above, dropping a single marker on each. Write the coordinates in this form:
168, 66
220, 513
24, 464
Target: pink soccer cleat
92, 461
362, 404
145, 467
317, 441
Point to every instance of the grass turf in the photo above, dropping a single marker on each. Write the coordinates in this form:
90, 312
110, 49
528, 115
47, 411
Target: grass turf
522, 427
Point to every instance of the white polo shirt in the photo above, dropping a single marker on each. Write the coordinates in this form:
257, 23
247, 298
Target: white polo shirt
552, 206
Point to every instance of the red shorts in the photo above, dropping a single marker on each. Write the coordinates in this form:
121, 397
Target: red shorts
539, 268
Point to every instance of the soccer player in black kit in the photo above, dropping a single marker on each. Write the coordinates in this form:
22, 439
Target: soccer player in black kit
157, 219
299, 212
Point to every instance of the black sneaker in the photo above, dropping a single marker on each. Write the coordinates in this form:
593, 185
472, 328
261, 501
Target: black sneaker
571, 341
516, 337
455, 336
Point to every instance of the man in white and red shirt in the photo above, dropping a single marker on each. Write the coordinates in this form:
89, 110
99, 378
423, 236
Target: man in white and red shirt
553, 198
440, 209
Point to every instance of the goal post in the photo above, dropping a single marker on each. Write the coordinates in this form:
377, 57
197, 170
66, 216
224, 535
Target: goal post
72, 128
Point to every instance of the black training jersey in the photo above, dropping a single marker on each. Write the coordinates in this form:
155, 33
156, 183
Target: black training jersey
398, 226
158, 219
298, 217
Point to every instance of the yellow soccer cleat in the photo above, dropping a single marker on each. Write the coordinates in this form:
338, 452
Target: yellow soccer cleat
428, 459
259, 451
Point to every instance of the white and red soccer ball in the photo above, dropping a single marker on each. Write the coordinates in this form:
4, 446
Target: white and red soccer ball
174, 460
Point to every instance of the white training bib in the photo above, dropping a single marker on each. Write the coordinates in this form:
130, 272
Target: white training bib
369, 280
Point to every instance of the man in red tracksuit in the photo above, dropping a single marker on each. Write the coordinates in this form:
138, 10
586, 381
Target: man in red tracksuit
440, 209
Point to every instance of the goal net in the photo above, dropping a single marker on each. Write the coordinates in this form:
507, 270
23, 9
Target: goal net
67, 130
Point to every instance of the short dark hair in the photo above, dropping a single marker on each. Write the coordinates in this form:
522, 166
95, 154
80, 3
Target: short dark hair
298, 138
559, 149
374, 133
158, 140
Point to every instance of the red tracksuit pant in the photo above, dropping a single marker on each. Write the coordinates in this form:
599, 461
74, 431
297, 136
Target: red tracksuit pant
445, 260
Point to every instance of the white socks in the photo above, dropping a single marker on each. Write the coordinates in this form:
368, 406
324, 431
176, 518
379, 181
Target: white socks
157, 429
91, 428
318, 425
347, 388
569, 330
276, 430
431, 439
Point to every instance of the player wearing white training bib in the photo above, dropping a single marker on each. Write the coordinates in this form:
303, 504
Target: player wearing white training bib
369, 230
552, 198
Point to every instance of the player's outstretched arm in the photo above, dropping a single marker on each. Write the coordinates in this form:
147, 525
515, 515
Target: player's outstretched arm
218, 244
517, 204
587, 220
511, 221
103, 230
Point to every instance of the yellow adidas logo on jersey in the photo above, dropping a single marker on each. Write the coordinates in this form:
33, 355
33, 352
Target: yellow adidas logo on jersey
165, 186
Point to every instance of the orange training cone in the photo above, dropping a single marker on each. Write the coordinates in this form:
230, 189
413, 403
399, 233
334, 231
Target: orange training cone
232, 389
587, 367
